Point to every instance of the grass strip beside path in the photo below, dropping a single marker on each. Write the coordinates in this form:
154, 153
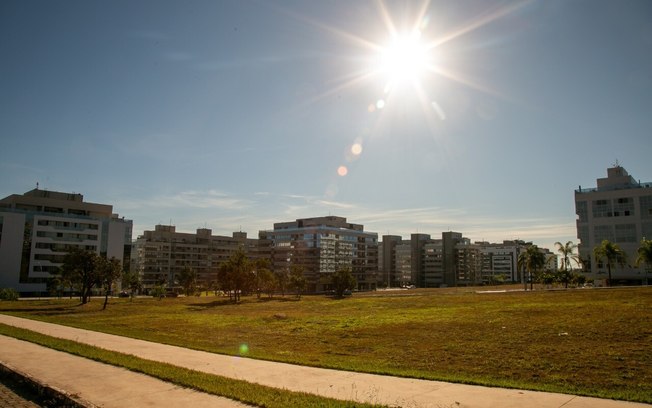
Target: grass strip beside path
243, 391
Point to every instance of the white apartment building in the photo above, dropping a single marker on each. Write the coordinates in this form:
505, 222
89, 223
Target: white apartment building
619, 209
39, 227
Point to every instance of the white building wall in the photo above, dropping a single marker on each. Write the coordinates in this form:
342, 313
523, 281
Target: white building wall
116, 240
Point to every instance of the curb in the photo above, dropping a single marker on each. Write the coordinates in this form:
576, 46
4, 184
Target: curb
53, 395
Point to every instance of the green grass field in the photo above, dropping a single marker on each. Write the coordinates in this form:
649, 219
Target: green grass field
588, 342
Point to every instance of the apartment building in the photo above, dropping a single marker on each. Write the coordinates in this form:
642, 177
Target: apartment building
426, 262
161, 254
619, 209
454, 261
395, 262
321, 246
38, 228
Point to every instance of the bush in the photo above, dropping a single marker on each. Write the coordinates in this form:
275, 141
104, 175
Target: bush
8, 294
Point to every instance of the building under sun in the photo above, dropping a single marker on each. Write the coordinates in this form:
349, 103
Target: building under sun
619, 209
321, 246
39, 227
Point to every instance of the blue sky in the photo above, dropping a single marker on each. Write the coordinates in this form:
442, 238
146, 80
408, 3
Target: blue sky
233, 115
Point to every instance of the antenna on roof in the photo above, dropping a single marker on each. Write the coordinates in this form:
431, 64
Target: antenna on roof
617, 164
37, 185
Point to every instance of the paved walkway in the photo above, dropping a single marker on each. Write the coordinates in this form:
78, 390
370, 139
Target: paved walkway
329, 383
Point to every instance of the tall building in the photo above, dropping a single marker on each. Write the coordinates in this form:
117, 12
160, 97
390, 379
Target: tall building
619, 209
433, 268
403, 269
500, 261
428, 263
468, 263
387, 262
417, 258
453, 261
321, 246
39, 227
163, 253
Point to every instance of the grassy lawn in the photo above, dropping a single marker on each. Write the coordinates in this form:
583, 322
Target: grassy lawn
587, 342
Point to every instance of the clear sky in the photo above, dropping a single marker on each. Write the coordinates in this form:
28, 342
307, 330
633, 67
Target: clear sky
233, 115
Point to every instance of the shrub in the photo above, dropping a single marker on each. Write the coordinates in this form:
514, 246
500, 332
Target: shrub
8, 294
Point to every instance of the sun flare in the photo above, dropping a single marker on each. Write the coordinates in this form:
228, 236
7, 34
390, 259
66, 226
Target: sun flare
405, 59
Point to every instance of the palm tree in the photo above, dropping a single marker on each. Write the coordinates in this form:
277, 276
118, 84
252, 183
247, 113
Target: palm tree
645, 255
532, 260
567, 252
611, 253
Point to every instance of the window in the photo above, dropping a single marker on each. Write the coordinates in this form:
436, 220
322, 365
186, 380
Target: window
602, 232
602, 208
581, 209
645, 203
624, 207
625, 233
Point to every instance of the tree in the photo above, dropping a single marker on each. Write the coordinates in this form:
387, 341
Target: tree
224, 278
645, 255
342, 280
297, 280
79, 268
55, 286
281, 280
533, 261
567, 252
267, 281
613, 255
158, 291
133, 282
108, 271
187, 278
262, 280
237, 274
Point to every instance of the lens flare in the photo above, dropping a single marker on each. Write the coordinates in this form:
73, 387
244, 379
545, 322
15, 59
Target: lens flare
356, 149
244, 349
342, 171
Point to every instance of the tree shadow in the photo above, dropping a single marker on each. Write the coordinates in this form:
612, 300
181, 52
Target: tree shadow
45, 311
198, 306
211, 305
278, 299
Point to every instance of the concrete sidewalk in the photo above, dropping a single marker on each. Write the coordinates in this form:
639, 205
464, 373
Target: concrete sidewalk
91, 384
325, 382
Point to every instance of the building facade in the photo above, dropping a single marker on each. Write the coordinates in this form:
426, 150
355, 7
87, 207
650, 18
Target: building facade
619, 209
39, 227
161, 254
454, 261
394, 262
321, 246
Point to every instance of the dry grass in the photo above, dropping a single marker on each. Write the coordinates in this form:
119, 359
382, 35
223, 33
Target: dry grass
588, 342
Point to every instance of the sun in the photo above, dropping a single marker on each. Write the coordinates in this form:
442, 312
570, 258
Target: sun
405, 59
